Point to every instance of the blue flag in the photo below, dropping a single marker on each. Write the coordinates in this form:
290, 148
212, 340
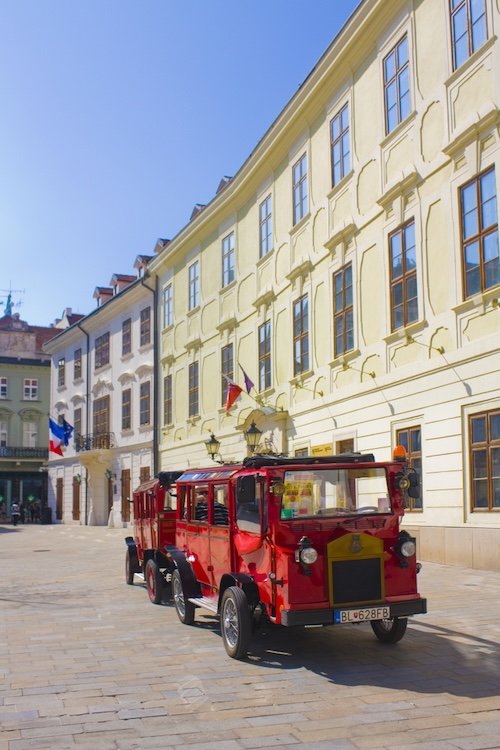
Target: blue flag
67, 431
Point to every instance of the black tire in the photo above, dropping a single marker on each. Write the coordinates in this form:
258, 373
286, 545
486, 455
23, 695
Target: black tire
235, 622
154, 582
390, 631
129, 569
184, 609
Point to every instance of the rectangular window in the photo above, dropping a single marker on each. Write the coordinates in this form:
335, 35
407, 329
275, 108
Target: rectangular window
3, 434
61, 372
127, 409
479, 223
468, 28
484, 452
145, 403
30, 434
403, 265
167, 400
126, 337
301, 335
101, 417
300, 195
265, 355
228, 259
168, 306
397, 85
77, 364
227, 370
102, 350
145, 327
265, 226
301, 452
410, 439
30, 389
4, 388
77, 422
193, 390
340, 145
343, 322
194, 285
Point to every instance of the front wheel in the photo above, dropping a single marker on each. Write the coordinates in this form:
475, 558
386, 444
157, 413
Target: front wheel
390, 631
235, 622
129, 571
154, 582
184, 608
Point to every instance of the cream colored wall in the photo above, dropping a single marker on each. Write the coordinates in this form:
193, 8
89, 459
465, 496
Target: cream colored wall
431, 373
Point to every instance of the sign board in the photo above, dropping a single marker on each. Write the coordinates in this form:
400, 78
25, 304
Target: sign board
325, 449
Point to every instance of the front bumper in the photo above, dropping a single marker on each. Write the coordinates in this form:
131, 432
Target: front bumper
293, 617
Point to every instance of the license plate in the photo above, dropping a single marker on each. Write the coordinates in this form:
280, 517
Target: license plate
341, 616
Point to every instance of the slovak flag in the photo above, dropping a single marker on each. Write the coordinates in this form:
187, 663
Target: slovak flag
56, 437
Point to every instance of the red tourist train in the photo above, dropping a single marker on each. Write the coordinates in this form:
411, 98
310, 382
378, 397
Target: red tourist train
294, 541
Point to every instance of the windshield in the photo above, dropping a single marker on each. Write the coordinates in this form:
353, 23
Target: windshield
335, 492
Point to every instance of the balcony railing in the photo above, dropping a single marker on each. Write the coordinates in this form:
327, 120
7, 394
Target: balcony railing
7, 452
95, 442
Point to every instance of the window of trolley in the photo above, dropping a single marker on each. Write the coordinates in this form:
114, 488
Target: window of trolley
334, 493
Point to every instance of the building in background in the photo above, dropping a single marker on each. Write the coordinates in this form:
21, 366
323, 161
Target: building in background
351, 268
24, 407
103, 386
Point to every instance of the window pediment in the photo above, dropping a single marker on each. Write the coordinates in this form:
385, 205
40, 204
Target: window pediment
102, 387
126, 377
144, 370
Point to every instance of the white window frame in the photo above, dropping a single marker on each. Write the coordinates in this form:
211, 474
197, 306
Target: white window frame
168, 305
30, 389
194, 285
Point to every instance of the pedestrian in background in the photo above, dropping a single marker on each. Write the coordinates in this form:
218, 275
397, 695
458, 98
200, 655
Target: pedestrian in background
14, 513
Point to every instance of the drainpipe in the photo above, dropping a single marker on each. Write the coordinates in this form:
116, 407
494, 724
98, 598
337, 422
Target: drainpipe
87, 416
156, 365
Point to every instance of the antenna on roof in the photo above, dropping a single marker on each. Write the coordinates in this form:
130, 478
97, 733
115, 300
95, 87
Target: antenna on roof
6, 299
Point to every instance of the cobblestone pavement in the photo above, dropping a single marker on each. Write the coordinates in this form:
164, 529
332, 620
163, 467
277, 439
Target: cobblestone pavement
87, 662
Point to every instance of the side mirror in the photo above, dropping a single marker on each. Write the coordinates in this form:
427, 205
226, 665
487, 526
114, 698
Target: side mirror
245, 490
414, 487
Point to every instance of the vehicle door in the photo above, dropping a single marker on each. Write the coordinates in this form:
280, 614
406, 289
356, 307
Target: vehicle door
219, 533
253, 552
197, 540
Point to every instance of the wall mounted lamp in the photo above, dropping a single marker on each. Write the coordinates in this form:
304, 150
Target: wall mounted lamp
252, 437
213, 448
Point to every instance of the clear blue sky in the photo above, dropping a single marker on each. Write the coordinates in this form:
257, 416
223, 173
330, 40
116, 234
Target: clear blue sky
117, 116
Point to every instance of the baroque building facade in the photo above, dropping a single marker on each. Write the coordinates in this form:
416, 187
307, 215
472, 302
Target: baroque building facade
102, 384
351, 269
24, 405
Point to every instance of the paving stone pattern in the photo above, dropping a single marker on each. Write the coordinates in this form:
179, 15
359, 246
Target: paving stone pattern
87, 662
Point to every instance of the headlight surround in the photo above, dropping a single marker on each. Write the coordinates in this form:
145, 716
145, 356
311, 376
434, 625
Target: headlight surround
408, 548
308, 555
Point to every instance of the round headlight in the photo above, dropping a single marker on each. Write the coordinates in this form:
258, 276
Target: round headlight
408, 549
308, 555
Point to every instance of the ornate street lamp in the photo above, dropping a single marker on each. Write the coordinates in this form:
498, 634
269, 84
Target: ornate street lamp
213, 446
252, 437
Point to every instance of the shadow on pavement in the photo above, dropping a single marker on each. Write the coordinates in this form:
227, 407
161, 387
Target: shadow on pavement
427, 660
9, 529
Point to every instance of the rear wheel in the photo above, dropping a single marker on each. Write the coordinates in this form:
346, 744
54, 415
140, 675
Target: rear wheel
184, 609
390, 631
154, 582
129, 575
235, 622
